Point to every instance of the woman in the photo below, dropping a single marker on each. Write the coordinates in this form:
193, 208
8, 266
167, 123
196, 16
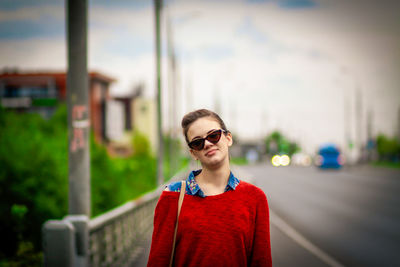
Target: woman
223, 221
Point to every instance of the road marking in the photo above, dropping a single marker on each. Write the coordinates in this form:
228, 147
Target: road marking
302, 241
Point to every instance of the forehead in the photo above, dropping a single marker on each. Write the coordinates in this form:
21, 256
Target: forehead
201, 127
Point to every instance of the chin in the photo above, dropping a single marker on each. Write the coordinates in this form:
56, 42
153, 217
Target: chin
214, 161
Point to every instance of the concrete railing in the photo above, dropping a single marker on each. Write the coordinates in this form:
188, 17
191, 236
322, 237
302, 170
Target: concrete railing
114, 238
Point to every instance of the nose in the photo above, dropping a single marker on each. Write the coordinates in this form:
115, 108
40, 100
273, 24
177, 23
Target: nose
207, 144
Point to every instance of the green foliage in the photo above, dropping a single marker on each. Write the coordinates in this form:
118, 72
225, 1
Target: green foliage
276, 143
141, 145
117, 180
34, 180
388, 148
387, 164
32, 172
174, 159
239, 161
26, 256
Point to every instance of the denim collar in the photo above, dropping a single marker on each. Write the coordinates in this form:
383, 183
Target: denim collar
194, 188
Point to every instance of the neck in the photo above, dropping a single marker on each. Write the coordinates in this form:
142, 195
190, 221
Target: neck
217, 176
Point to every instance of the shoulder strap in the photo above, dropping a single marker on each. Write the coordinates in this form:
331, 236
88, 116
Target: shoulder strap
180, 201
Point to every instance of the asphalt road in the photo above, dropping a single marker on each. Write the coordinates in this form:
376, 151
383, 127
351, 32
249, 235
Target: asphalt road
349, 217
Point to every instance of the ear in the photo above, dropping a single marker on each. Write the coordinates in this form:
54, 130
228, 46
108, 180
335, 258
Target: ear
229, 138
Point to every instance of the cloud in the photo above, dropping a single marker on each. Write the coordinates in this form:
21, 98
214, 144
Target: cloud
296, 4
11, 5
32, 13
263, 57
123, 4
248, 29
32, 22
19, 30
34, 53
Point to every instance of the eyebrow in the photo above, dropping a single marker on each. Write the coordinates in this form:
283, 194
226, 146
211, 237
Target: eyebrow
197, 137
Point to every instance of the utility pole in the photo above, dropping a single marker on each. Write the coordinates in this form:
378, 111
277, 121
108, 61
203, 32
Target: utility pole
78, 108
347, 124
359, 124
160, 157
369, 135
173, 98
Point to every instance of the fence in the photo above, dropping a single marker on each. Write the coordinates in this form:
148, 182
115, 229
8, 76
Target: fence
114, 238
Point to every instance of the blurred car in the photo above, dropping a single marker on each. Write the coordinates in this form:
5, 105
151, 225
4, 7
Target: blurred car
329, 157
301, 159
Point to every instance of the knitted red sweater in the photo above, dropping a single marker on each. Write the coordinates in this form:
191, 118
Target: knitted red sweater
230, 229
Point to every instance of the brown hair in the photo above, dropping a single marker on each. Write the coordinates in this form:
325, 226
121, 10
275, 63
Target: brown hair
191, 117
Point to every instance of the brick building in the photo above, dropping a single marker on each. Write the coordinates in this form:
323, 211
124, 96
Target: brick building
40, 92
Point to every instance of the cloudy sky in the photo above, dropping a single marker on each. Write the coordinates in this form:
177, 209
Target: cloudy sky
292, 65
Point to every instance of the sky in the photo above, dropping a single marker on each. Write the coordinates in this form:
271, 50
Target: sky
297, 66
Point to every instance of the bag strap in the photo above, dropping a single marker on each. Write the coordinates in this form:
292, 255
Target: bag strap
180, 201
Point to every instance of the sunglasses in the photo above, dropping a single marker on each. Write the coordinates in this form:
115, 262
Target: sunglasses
213, 137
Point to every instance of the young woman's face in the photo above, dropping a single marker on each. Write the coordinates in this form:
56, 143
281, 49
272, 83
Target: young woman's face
211, 154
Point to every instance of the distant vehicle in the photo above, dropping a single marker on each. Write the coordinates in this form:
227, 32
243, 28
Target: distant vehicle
329, 157
301, 159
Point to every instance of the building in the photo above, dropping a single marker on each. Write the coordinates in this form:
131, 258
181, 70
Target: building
129, 114
40, 92
145, 120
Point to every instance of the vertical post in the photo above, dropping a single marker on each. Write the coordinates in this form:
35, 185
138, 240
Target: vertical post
59, 244
81, 230
160, 157
359, 142
369, 135
347, 124
173, 149
78, 108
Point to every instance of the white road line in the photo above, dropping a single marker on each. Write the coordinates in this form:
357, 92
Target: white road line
302, 241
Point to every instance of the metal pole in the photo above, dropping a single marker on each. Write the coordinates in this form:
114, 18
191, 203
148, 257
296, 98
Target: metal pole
347, 135
173, 149
170, 94
369, 134
359, 125
160, 157
78, 108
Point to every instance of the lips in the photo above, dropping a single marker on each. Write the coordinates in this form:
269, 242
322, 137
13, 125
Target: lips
211, 152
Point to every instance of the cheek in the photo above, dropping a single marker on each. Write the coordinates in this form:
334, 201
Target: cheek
193, 153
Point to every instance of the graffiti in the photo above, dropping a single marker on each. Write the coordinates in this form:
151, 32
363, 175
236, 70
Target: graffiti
78, 112
78, 140
79, 124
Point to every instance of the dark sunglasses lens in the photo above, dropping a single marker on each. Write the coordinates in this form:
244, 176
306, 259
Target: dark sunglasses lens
214, 137
197, 144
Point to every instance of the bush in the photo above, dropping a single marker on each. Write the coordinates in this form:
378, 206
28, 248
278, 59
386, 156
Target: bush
34, 180
32, 172
117, 180
388, 148
276, 143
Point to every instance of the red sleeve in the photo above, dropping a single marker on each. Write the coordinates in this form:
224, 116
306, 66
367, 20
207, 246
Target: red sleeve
163, 232
261, 252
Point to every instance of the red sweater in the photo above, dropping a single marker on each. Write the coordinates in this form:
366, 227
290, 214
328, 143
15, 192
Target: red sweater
230, 229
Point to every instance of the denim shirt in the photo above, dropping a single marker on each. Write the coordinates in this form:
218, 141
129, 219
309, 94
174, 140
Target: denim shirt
193, 188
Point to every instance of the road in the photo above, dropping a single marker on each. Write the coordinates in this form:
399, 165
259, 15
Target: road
349, 217
352, 216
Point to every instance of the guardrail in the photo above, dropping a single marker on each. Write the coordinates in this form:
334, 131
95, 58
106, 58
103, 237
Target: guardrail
114, 238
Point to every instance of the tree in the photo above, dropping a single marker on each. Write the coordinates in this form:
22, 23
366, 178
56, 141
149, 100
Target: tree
276, 143
388, 148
